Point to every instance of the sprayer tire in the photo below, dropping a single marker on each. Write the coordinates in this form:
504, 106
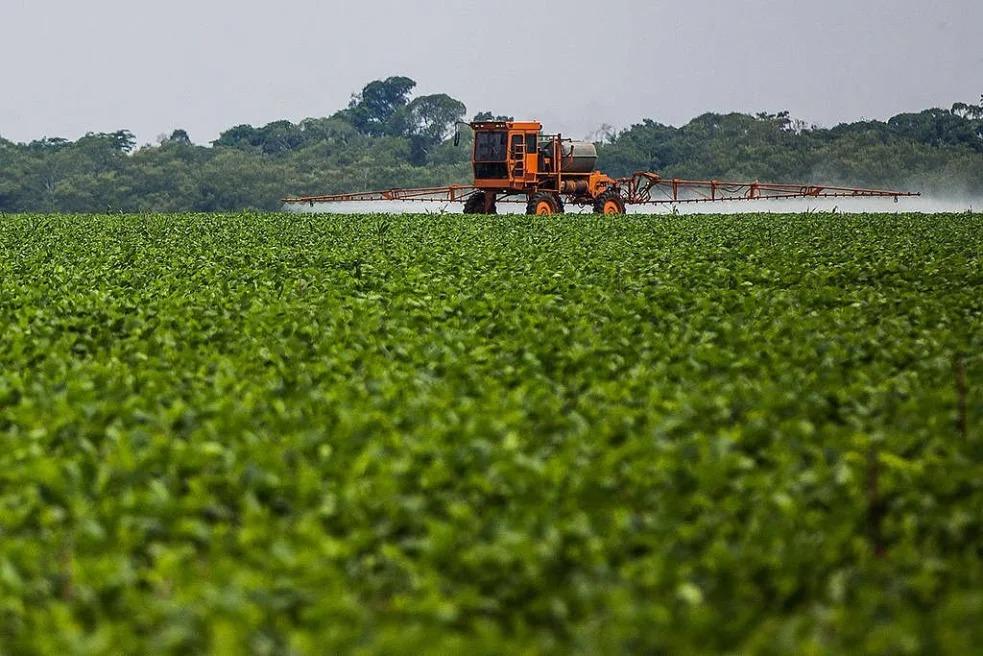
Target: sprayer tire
475, 204
544, 204
610, 202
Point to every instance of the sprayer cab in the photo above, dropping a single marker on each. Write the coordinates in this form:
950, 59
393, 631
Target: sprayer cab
505, 153
515, 157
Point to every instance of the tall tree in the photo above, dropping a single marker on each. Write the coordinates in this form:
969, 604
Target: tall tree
371, 110
179, 137
433, 117
489, 116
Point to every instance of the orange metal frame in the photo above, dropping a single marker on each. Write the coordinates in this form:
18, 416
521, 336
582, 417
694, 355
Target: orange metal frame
530, 161
451, 193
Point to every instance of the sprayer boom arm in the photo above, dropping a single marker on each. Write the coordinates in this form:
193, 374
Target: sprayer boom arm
451, 193
652, 188
639, 189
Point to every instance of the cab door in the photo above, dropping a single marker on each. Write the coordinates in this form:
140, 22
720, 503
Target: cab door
517, 156
523, 158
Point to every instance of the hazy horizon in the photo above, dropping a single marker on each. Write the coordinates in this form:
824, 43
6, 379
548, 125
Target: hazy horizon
108, 65
953, 204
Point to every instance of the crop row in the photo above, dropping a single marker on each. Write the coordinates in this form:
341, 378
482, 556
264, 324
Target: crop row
284, 434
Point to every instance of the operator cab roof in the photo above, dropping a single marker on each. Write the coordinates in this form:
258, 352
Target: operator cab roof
507, 125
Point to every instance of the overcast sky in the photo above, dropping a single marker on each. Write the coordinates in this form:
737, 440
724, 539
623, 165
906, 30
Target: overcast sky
68, 67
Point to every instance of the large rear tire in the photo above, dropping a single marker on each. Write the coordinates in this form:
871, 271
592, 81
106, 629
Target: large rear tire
610, 203
475, 204
544, 203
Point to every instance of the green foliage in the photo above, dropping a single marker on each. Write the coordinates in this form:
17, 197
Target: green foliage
489, 116
434, 116
387, 138
373, 111
938, 152
424, 434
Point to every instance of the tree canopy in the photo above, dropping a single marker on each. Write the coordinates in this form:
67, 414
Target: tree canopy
387, 138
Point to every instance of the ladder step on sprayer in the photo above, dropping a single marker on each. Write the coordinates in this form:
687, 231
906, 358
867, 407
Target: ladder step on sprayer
513, 161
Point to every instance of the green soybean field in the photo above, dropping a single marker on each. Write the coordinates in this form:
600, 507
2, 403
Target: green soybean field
379, 434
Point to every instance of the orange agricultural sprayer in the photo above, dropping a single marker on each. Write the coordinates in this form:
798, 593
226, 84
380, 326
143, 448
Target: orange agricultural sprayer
513, 161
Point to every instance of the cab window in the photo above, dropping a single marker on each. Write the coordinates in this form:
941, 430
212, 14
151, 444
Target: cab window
489, 147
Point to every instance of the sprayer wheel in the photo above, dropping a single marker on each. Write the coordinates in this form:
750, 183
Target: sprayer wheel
475, 204
610, 202
544, 204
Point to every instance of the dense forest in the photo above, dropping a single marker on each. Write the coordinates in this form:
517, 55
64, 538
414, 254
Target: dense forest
386, 137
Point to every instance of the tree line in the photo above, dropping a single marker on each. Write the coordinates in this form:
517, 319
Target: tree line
387, 138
